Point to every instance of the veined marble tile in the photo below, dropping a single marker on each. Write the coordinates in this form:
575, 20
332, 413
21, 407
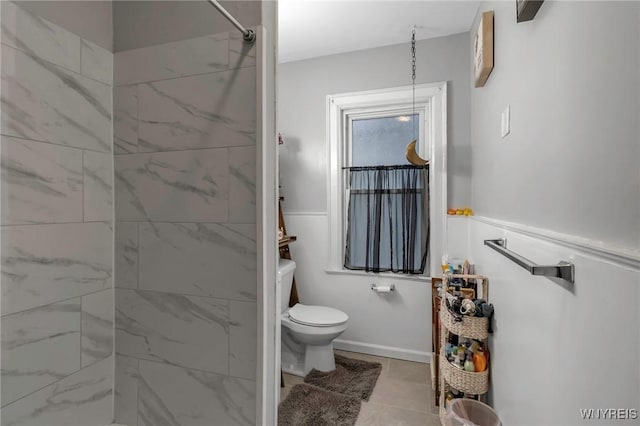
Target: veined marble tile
187, 57
241, 54
204, 111
44, 102
126, 255
41, 182
202, 259
125, 119
97, 326
39, 37
203, 399
242, 184
98, 186
39, 346
97, 62
188, 186
181, 330
243, 335
43, 264
81, 399
126, 391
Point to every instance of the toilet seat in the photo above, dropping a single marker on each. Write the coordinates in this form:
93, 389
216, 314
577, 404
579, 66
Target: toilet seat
317, 316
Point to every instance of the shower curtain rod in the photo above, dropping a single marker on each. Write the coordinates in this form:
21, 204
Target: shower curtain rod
248, 35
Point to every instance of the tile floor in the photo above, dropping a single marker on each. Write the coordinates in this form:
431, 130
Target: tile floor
402, 396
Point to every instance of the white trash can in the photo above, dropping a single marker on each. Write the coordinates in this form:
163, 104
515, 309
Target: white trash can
469, 412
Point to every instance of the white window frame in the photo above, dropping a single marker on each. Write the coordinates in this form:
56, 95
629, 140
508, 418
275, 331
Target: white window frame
430, 100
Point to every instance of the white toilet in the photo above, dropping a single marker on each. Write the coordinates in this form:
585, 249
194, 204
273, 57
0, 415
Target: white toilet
315, 327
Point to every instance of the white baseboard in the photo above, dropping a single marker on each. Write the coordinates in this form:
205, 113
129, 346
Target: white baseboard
386, 351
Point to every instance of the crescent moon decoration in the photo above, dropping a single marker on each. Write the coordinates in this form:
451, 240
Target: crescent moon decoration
413, 156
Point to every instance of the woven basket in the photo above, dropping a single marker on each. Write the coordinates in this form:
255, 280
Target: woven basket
473, 327
468, 327
465, 381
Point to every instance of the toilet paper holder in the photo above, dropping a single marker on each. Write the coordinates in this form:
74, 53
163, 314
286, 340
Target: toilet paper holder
383, 288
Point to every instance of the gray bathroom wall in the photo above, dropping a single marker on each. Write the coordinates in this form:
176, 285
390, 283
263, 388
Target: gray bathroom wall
57, 225
563, 185
185, 240
148, 23
570, 163
90, 19
304, 85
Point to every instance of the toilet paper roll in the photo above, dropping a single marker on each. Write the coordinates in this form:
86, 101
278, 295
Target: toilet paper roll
383, 289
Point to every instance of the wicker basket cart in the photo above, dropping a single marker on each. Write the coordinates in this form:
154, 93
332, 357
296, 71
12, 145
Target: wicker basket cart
468, 327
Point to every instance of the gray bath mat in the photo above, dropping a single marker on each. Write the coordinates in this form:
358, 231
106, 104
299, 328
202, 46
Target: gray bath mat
308, 405
351, 377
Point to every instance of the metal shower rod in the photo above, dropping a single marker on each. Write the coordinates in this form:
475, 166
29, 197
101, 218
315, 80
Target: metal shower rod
247, 34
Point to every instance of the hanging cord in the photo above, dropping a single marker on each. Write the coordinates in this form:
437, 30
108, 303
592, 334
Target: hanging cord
411, 155
413, 78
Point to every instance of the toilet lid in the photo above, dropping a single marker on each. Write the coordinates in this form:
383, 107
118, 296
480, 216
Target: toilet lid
317, 315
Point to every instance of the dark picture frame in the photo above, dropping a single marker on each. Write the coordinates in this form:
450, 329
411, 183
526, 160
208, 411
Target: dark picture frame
527, 9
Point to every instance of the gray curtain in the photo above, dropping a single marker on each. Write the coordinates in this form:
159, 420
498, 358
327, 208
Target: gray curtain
388, 219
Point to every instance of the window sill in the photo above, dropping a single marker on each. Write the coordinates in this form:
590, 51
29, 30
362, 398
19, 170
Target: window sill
385, 275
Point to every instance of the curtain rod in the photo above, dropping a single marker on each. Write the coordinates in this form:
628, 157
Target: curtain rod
398, 167
248, 35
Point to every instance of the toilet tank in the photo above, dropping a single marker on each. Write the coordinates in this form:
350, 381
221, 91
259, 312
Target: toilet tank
285, 279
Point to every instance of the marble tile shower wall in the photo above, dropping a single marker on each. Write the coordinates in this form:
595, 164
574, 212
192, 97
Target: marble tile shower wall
185, 236
57, 225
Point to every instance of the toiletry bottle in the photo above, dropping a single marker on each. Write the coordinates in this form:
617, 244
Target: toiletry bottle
456, 360
463, 343
445, 264
461, 356
468, 364
447, 349
453, 352
447, 398
479, 360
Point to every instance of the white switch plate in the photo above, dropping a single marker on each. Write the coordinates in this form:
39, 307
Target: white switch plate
505, 122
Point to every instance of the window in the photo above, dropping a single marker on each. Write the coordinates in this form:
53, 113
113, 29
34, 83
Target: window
373, 129
381, 141
387, 226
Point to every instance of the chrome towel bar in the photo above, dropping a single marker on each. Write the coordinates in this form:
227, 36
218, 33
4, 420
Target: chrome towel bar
564, 270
